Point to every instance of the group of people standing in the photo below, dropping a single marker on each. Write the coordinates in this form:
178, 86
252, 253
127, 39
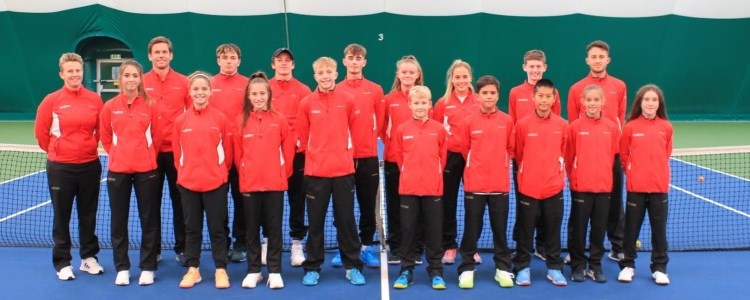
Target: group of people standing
255, 138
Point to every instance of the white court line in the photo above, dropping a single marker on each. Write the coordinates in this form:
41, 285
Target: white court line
22, 177
711, 170
16, 214
711, 201
385, 291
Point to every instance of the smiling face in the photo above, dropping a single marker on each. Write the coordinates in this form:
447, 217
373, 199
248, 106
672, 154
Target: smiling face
325, 76
72, 75
461, 80
283, 65
258, 96
534, 70
543, 99
593, 101
160, 56
650, 104
420, 107
200, 91
598, 59
407, 74
488, 97
130, 79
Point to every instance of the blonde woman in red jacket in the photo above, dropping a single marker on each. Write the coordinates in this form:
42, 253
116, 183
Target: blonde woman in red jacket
263, 155
67, 128
130, 134
202, 140
645, 147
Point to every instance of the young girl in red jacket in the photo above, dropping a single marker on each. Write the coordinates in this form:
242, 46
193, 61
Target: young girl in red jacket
130, 134
645, 147
420, 148
263, 155
458, 101
592, 145
487, 145
202, 140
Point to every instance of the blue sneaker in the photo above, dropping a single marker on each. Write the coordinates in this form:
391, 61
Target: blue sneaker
556, 277
523, 278
369, 259
336, 261
311, 278
355, 276
404, 280
438, 283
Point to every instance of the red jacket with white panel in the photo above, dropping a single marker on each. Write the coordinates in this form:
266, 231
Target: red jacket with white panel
130, 134
67, 125
172, 97
592, 145
421, 152
263, 152
367, 98
451, 113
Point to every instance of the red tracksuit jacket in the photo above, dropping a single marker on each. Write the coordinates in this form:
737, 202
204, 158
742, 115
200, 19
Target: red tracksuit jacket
421, 152
263, 152
228, 94
488, 145
540, 146
615, 95
67, 125
592, 145
450, 113
645, 147
367, 98
203, 149
394, 111
323, 125
521, 102
286, 97
172, 97
130, 135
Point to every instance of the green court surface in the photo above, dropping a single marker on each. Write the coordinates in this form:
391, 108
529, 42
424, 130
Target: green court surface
687, 134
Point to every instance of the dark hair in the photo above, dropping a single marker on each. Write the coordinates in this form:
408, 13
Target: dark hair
224, 48
159, 39
544, 83
355, 49
598, 44
141, 86
636, 110
487, 80
247, 106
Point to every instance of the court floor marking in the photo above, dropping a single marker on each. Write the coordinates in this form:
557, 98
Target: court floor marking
710, 170
28, 209
22, 177
724, 206
385, 291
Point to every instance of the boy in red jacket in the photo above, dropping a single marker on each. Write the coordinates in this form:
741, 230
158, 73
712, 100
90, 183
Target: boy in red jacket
324, 124
592, 145
540, 146
421, 152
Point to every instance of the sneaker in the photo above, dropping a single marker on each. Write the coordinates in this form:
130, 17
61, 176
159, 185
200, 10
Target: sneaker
449, 257
298, 256
222, 279
181, 259
616, 256
192, 277
578, 276
147, 278
660, 278
66, 273
597, 275
264, 253
539, 253
122, 278
523, 277
370, 259
477, 259
566, 260
336, 261
556, 277
311, 278
238, 255
437, 282
91, 266
418, 261
393, 259
251, 280
504, 278
404, 280
626, 274
466, 280
355, 276
275, 281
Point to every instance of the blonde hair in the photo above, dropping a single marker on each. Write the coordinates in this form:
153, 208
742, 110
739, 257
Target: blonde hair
68, 57
355, 49
535, 54
419, 92
593, 88
449, 75
410, 59
324, 62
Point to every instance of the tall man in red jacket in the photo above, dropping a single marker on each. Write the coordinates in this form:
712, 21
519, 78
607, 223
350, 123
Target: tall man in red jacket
170, 90
615, 92
324, 125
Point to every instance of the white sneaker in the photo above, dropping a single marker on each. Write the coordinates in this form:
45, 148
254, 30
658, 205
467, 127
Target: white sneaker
251, 280
66, 273
123, 278
91, 266
275, 281
264, 252
566, 260
626, 275
147, 278
466, 280
298, 256
660, 278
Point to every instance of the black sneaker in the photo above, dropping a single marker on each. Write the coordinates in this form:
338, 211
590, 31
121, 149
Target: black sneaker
597, 275
393, 259
578, 276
